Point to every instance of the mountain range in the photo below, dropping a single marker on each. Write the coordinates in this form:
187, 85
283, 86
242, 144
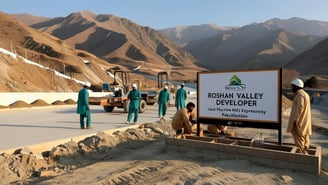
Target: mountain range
64, 44
47, 51
312, 61
122, 44
184, 34
120, 41
273, 43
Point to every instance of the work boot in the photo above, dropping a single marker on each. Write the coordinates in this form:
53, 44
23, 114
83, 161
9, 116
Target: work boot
82, 127
89, 127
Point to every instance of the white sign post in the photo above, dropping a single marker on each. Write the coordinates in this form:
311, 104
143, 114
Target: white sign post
252, 96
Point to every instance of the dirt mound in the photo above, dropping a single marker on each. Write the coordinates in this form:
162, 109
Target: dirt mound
70, 101
19, 103
25, 166
16, 167
3, 107
58, 102
39, 102
286, 103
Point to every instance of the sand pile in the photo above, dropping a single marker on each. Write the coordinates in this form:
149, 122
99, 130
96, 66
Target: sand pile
3, 107
19, 103
70, 102
39, 102
286, 103
66, 102
58, 102
25, 166
20, 166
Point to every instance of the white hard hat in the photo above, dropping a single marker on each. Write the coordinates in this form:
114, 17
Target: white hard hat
134, 85
298, 82
182, 83
166, 87
88, 84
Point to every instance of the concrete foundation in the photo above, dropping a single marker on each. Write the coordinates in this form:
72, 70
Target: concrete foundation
268, 154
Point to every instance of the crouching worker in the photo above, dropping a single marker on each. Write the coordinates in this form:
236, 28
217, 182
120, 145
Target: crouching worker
220, 130
185, 119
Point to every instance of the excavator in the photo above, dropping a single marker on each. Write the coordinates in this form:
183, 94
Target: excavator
118, 91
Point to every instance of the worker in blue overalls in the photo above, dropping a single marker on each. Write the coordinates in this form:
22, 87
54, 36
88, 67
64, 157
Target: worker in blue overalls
163, 100
83, 106
134, 96
180, 98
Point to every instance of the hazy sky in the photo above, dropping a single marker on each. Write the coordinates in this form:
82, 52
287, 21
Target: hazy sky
170, 13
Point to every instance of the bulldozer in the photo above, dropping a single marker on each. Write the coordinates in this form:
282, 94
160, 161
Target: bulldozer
118, 91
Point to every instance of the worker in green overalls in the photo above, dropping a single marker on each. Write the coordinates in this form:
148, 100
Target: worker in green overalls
83, 106
180, 97
134, 96
163, 100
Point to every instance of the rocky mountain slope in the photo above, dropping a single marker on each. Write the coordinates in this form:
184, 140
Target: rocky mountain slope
270, 44
273, 43
313, 61
298, 25
30, 19
250, 47
121, 41
47, 51
184, 34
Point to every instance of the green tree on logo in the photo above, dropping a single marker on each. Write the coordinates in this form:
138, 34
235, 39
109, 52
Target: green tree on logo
234, 80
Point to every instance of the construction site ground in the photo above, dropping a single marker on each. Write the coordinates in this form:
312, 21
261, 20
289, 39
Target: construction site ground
139, 156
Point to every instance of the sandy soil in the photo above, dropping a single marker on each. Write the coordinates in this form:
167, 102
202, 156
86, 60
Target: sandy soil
139, 156
37, 103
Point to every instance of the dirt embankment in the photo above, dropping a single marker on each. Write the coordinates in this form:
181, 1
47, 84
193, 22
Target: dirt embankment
25, 166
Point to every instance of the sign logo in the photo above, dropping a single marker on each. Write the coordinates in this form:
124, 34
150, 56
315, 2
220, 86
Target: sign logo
235, 84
